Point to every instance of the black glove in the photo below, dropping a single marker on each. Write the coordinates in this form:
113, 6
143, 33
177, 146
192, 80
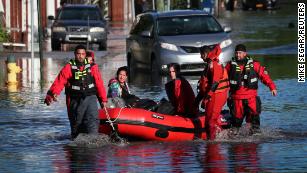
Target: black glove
48, 99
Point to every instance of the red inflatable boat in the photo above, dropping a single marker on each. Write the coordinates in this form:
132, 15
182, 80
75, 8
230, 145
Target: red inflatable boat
147, 125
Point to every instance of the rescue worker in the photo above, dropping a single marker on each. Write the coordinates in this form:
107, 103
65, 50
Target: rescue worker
90, 57
180, 93
213, 89
244, 73
83, 82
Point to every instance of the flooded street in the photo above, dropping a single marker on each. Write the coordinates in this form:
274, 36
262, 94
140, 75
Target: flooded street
35, 137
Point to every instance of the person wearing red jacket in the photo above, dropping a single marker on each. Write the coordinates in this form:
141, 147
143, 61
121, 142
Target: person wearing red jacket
180, 93
83, 84
213, 88
244, 102
91, 58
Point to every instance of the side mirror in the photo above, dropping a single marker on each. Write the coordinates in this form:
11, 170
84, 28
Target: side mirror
51, 17
108, 18
227, 29
146, 34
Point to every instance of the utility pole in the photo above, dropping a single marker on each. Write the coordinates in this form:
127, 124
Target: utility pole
88, 30
40, 43
40, 30
32, 42
216, 11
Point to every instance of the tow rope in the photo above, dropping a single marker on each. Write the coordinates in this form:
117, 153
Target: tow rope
115, 134
109, 118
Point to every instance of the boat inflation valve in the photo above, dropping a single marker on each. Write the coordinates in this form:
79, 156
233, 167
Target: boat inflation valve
162, 133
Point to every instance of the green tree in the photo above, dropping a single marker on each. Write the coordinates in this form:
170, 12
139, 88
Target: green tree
4, 36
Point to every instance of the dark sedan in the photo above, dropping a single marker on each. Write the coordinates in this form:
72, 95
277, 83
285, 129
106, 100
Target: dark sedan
258, 4
78, 24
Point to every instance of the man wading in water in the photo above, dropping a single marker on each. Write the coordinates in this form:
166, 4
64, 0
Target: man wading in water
85, 85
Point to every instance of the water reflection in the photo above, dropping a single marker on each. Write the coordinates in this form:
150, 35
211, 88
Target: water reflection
81, 160
279, 66
197, 156
245, 157
262, 29
214, 159
50, 69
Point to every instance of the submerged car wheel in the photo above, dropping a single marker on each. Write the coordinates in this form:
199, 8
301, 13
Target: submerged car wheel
55, 45
103, 46
247, 4
154, 66
229, 4
131, 65
244, 7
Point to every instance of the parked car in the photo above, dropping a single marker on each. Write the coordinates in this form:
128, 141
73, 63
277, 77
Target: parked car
258, 4
159, 38
78, 24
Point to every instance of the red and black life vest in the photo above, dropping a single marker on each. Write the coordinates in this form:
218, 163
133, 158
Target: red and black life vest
247, 78
82, 82
221, 85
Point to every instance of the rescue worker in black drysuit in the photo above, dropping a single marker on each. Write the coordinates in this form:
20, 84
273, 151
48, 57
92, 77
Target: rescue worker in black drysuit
83, 84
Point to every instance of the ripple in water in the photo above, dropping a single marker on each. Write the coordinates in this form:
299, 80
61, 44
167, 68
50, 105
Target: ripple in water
243, 134
96, 140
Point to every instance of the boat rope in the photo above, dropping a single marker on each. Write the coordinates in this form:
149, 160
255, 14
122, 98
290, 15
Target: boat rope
109, 118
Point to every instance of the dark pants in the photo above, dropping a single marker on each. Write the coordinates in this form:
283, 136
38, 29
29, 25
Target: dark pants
84, 115
249, 109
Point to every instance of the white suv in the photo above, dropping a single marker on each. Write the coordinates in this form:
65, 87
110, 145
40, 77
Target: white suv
157, 39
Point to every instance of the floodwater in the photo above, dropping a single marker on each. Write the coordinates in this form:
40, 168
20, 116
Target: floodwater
35, 137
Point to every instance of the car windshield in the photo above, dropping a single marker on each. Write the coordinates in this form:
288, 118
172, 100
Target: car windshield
187, 25
79, 14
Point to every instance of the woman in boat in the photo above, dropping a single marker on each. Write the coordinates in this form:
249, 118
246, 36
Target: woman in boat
118, 86
120, 96
180, 92
118, 90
